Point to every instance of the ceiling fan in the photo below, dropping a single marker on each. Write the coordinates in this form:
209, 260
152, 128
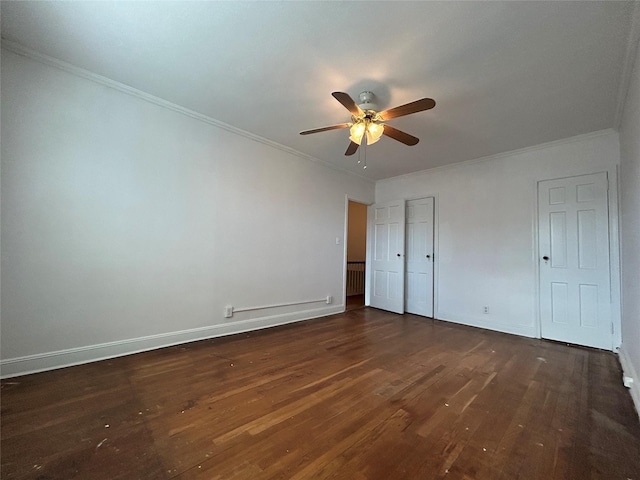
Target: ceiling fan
366, 120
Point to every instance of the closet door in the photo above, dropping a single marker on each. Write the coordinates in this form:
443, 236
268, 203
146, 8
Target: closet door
386, 280
419, 260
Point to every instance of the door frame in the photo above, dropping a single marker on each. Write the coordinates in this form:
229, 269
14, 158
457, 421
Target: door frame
347, 199
613, 178
436, 245
436, 250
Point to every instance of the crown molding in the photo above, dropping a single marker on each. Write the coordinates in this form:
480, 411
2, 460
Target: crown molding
21, 50
633, 42
511, 153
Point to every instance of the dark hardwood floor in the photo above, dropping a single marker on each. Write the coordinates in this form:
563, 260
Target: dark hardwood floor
354, 302
361, 395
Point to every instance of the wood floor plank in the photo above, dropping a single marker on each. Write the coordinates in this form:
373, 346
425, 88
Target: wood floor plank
364, 395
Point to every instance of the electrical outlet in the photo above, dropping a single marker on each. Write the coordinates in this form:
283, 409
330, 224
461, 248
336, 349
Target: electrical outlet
485, 309
228, 311
329, 299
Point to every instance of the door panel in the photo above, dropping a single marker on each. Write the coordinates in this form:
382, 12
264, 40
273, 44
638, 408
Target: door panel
587, 235
419, 264
387, 265
575, 299
559, 302
558, 222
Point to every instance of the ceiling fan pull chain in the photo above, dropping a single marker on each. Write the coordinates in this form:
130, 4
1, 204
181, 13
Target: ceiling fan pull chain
365, 154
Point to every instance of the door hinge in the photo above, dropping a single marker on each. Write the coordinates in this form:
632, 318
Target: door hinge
612, 329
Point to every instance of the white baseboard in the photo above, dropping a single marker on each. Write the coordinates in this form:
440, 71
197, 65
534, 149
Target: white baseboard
522, 330
630, 371
14, 367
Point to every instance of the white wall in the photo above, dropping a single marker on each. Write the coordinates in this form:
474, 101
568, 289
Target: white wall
630, 231
126, 225
485, 227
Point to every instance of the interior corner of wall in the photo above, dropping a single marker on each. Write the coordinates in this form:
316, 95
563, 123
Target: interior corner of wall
630, 371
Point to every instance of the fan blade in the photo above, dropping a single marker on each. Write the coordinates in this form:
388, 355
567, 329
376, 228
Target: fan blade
324, 129
407, 109
400, 136
348, 103
351, 149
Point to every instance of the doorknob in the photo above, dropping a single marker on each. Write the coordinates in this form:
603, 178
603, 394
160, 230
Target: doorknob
545, 258
428, 256
398, 254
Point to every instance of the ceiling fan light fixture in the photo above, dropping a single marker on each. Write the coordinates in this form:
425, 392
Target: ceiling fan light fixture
374, 132
357, 131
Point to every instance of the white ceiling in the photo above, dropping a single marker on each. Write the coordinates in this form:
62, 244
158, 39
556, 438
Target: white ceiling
505, 75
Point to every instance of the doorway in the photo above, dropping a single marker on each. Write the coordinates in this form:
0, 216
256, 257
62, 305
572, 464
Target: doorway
356, 255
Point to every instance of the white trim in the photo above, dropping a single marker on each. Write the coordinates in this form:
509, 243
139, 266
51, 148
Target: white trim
134, 92
627, 66
614, 256
277, 305
436, 254
535, 219
369, 257
629, 371
498, 156
522, 330
13, 367
345, 240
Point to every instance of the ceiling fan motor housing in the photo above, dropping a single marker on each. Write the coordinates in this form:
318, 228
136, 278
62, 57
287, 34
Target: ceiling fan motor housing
367, 101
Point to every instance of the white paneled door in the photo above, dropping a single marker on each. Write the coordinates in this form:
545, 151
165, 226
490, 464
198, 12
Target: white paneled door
387, 223
575, 294
419, 260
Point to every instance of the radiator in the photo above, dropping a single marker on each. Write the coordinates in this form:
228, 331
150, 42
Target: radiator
355, 278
